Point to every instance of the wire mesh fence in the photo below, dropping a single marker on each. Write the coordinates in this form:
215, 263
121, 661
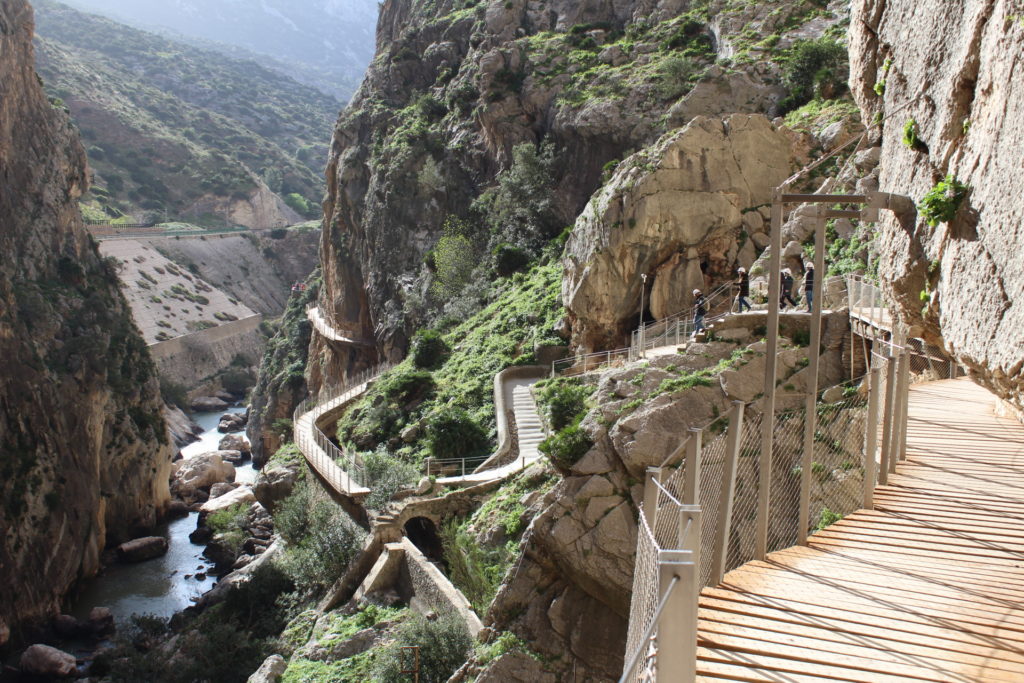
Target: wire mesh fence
644, 602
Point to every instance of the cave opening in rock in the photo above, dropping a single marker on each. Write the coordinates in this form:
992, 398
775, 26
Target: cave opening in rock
423, 534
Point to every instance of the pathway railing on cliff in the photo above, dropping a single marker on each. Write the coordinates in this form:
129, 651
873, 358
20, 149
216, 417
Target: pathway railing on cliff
314, 407
821, 470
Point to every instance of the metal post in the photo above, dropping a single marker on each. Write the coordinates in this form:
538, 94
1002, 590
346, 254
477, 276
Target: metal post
890, 381
725, 500
871, 438
643, 332
691, 480
903, 386
897, 413
771, 368
677, 627
814, 354
651, 495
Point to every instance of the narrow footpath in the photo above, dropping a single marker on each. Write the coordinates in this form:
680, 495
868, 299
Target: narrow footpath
928, 586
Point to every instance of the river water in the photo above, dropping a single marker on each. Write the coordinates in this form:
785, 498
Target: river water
158, 586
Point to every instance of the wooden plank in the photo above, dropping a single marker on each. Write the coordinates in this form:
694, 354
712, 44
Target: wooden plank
949, 647
927, 586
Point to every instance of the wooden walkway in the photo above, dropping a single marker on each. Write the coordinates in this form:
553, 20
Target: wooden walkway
928, 586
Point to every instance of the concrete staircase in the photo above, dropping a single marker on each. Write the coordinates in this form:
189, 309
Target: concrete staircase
529, 427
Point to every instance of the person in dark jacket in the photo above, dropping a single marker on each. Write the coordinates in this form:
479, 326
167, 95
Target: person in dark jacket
809, 284
700, 310
787, 289
743, 290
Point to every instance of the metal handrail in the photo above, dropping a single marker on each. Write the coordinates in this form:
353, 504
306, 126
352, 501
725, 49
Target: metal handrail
317, 406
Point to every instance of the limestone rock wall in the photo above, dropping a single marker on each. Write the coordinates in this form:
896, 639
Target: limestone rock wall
84, 451
454, 89
954, 69
684, 213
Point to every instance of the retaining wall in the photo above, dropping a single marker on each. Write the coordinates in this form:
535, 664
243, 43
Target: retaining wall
191, 358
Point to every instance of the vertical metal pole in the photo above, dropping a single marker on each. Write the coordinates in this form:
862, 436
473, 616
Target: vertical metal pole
890, 382
651, 495
677, 627
904, 405
871, 438
897, 418
643, 331
814, 354
691, 481
771, 368
725, 500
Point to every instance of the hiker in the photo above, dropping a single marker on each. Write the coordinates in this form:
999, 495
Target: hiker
699, 311
809, 285
743, 288
787, 289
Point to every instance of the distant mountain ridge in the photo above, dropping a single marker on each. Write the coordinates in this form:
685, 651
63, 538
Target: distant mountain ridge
325, 43
181, 132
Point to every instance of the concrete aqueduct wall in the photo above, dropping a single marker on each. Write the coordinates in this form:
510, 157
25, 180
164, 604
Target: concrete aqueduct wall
191, 358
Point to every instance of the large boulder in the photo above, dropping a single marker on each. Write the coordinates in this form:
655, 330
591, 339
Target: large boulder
236, 442
142, 549
270, 671
243, 494
47, 662
673, 214
275, 483
208, 404
231, 422
198, 474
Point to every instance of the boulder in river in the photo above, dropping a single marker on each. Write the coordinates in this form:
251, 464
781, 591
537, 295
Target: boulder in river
200, 473
47, 662
141, 549
66, 626
236, 442
101, 620
208, 404
218, 490
231, 422
233, 457
243, 494
275, 483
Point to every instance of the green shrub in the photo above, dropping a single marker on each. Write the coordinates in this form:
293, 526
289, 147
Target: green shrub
564, 400
385, 476
454, 434
827, 518
428, 349
444, 645
566, 447
509, 259
174, 394
813, 67
229, 525
321, 539
475, 568
943, 201
278, 233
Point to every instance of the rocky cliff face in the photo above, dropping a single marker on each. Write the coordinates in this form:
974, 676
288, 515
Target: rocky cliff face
456, 86
945, 80
84, 453
683, 213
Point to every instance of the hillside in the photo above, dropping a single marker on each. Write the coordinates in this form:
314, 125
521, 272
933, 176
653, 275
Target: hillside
324, 43
174, 130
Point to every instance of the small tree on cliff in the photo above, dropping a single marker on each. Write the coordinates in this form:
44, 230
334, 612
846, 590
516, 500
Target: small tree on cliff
520, 209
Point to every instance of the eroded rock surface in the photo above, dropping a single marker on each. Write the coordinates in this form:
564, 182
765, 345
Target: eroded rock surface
676, 214
85, 451
957, 76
